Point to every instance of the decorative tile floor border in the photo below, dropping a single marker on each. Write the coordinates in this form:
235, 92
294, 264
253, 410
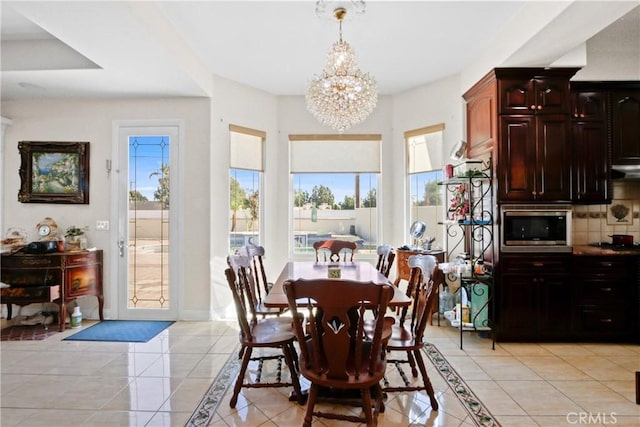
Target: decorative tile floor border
208, 406
476, 409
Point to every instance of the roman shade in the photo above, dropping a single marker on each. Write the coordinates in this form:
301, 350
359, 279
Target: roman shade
246, 148
424, 149
335, 153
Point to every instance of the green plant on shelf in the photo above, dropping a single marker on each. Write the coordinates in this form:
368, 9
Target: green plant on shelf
76, 231
473, 173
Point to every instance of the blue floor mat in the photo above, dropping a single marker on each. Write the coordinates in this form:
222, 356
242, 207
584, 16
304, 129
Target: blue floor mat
121, 331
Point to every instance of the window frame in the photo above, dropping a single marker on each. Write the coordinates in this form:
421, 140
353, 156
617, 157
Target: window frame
411, 171
263, 136
293, 171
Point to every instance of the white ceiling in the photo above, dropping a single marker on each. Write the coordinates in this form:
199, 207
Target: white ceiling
171, 48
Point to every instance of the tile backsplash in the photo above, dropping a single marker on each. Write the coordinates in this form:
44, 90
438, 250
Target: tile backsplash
595, 223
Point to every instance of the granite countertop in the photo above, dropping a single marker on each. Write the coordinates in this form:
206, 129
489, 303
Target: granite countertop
588, 250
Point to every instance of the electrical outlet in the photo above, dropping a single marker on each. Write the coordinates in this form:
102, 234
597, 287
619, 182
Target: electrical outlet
102, 225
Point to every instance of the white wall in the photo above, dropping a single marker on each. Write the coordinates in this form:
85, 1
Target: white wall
614, 53
89, 120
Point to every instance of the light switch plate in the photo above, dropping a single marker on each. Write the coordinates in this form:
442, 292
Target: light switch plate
102, 225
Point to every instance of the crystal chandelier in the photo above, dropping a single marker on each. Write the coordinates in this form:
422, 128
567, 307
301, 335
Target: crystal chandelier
342, 95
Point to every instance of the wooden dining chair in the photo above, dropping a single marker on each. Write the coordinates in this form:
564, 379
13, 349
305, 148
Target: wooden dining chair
335, 352
334, 250
260, 287
408, 333
386, 255
256, 332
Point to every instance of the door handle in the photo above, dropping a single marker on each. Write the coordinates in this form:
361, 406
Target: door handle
121, 248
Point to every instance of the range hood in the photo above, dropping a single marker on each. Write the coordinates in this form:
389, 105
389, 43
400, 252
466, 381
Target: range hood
625, 172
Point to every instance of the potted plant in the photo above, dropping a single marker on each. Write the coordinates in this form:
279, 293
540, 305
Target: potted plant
75, 238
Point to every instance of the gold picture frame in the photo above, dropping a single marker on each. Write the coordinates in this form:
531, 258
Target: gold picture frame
54, 172
620, 212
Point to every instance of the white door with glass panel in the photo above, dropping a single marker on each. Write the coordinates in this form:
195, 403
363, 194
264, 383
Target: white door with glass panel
148, 203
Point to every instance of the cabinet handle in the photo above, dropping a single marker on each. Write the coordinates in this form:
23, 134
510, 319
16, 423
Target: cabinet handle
121, 248
533, 107
533, 193
606, 321
575, 114
605, 289
606, 264
538, 264
539, 107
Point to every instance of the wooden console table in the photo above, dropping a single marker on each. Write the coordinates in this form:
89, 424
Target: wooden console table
404, 272
58, 277
402, 262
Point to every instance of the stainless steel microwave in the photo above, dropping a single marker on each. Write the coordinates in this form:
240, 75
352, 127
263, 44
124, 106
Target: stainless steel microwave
536, 228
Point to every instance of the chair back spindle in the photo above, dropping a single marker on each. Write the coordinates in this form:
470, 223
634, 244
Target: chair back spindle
386, 255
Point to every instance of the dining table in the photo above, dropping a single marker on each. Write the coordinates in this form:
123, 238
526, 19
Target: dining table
359, 271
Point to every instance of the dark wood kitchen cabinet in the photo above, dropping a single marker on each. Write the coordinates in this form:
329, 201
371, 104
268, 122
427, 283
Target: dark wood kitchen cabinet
625, 120
535, 158
590, 181
605, 297
523, 93
534, 295
520, 116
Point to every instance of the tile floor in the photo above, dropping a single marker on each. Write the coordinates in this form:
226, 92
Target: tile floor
66, 383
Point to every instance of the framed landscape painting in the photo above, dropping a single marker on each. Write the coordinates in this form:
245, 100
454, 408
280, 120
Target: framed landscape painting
54, 172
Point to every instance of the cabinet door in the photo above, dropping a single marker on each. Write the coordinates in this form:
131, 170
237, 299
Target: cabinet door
535, 297
516, 96
83, 274
517, 158
626, 126
551, 95
553, 159
529, 96
554, 313
517, 317
590, 166
588, 106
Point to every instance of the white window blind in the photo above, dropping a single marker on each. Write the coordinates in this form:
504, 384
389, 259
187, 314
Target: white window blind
246, 148
424, 149
335, 153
